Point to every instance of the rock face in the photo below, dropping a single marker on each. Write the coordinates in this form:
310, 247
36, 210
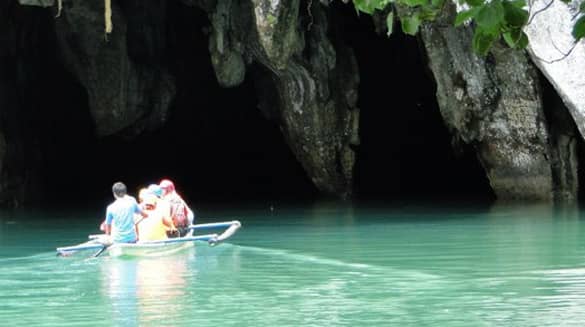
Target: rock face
307, 81
553, 50
312, 77
316, 92
495, 104
19, 145
128, 88
39, 3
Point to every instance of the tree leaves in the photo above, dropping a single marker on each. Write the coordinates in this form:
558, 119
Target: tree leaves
493, 19
482, 42
490, 17
466, 15
390, 23
414, 3
410, 24
514, 15
369, 6
579, 29
516, 39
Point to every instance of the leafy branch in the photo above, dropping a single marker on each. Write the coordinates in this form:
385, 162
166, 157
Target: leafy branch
493, 19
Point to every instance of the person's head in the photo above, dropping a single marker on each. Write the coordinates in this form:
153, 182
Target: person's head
149, 201
156, 190
167, 186
142, 194
119, 189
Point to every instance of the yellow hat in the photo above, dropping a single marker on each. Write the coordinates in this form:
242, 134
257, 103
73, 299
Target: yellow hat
142, 194
149, 198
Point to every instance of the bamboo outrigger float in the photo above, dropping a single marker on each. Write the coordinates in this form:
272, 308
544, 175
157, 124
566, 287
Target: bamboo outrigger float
101, 243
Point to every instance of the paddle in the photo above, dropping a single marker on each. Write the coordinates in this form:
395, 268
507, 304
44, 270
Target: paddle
105, 240
67, 250
101, 250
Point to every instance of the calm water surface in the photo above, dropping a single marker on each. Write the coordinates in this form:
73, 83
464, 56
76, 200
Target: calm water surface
320, 266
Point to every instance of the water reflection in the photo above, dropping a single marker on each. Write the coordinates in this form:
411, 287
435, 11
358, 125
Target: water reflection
142, 291
526, 236
119, 285
327, 212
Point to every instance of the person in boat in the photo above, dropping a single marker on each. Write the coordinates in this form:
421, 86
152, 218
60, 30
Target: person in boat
180, 212
156, 225
164, 207
142, 194
120, 216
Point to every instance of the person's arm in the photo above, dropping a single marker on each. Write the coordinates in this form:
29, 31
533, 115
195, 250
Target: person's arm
142, 212
165, 209
108, 222
138, 209
190, 213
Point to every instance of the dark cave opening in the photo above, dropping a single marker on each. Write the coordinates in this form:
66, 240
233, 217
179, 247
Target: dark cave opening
405, 152
218, 147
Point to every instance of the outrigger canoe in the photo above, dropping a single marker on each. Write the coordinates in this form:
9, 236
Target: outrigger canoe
101, 244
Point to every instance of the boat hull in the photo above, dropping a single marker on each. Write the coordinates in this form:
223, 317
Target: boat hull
147, 250
103, 243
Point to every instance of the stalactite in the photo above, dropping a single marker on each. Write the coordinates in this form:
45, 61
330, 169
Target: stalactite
108, 16
59, 8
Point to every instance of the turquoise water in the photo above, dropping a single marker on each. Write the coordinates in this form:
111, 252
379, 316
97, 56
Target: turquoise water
323, 265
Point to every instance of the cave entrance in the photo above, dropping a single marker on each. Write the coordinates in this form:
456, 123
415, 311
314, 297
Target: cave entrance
216, 146
405, 152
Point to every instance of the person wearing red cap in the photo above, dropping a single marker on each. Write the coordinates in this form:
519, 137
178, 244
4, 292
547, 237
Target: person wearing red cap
180, 212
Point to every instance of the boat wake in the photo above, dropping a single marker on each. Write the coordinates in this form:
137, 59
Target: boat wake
306, 258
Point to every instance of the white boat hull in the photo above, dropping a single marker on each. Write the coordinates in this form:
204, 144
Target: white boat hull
147, 250
102, 243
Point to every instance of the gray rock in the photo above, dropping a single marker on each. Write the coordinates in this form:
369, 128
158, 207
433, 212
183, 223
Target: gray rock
493, 103
552, 49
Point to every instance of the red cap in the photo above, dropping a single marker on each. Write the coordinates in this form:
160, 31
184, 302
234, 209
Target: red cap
167, 185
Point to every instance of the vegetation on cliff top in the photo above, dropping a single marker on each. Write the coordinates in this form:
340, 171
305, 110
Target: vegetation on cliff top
493, 19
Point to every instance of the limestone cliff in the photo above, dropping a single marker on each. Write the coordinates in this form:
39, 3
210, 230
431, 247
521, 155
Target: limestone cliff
306, 79
495, 103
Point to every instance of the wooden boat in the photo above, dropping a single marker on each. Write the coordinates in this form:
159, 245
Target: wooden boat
101, 243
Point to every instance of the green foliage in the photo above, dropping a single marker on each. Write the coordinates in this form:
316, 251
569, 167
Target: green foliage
493, 19
410, 24
514, 14
466, 15
390, 23
579, 28
414, 3
369, 6
490, 18
516, 39
482, 42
